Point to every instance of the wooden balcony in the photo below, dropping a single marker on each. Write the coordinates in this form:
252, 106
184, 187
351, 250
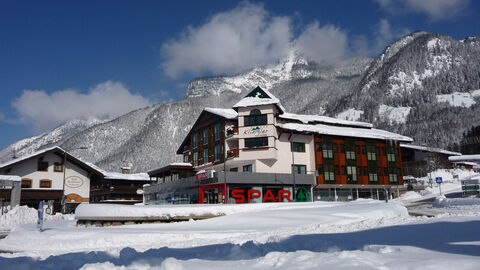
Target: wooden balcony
232, 153
232, 131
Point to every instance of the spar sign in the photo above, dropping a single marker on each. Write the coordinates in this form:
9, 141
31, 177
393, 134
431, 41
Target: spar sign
202, 175
251, 194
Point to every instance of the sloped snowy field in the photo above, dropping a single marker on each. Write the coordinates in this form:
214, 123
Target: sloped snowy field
364, 234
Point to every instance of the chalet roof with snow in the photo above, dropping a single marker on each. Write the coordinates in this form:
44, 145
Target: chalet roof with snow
225, 113
56, 150
257, 97
430, 149
474, 158
320, 119
368, 133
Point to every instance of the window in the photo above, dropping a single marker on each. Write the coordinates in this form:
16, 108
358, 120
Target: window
327, 150
342, 148
392, 178
45, 183
256, 142
297, 147
195, 140
248, 168
195, 158
329, 172
351, 173
350, 151
205, 136
26, 183
391, 154
318, 147
255, 118
371, 155
205, 156
58, 167
300, 169
217, 151
42, 166
372, 174
216, 131
319, 169
185, 157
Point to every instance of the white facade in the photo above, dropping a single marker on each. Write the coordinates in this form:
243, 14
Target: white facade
77, 180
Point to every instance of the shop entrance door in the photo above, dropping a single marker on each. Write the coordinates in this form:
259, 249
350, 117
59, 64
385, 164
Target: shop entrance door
212, 195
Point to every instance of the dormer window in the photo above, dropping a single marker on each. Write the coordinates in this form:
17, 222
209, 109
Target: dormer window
255, 118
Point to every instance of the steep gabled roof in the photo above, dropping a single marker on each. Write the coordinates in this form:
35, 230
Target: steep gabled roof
228, 114
57, 150
259, 96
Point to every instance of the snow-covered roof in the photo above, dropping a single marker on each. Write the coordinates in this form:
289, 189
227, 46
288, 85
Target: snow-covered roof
310, 119
370, 133
259, 99
33, 154
181, 164
14, 178
129, 176
120, 176
465, 158
430, 149
225, 113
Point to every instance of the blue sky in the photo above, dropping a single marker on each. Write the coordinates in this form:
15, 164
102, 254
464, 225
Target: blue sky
62, 59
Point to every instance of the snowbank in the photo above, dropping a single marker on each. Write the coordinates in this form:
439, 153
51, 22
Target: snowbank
116, 210
260, 223
24, 215
442, 201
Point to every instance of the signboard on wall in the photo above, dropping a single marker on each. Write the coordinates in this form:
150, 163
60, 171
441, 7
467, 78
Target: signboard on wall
202, 175
74, 182
257, 131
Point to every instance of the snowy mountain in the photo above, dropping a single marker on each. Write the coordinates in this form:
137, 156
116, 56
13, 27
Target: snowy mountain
397, 91
58, 134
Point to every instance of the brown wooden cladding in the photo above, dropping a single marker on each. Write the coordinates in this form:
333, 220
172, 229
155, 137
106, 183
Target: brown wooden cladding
340, 162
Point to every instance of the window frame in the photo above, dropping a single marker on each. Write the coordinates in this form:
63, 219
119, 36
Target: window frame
249, 168
255, 118
45, 181
24, 180
298, 147
258, 142
55, 164
42, 161
299, 168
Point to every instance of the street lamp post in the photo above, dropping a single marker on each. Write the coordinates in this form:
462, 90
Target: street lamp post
63, 202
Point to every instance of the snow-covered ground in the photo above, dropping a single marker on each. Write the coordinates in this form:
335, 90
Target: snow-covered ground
363, 234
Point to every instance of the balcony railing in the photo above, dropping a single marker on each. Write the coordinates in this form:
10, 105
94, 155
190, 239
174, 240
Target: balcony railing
232, 153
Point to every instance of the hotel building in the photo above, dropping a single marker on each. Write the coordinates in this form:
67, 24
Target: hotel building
257, 145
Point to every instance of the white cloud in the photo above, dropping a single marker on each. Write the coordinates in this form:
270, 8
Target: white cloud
438, 9
383, 35
435, 9
106, 100
323, 44
228, 42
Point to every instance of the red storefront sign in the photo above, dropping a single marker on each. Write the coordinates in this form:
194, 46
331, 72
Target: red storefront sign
239, 195
201, 175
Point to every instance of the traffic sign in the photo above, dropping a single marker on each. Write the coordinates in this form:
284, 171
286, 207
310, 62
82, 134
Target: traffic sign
438, 180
